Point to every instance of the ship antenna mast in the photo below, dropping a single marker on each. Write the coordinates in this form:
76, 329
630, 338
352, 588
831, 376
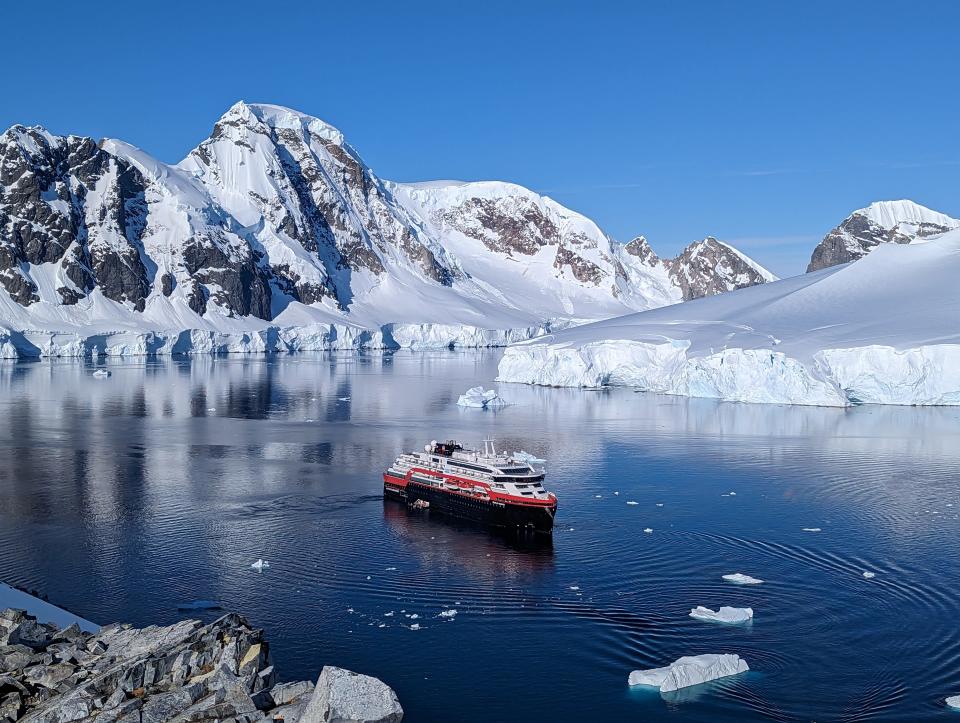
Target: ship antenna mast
488, 448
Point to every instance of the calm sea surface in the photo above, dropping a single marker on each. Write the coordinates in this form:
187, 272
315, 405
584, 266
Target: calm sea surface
122, 498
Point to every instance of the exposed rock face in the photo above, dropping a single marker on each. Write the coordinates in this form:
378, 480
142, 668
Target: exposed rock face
900, 222
76, 211
641, 249
343, 696
711, 267
184, 672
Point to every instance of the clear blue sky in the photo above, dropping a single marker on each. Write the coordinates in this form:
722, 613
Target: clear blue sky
763, 123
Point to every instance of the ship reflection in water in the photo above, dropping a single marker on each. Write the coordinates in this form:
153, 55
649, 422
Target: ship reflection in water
485, 553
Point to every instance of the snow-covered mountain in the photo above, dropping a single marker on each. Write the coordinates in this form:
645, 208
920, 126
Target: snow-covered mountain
706, 267
273, 233
882, 330
900, 222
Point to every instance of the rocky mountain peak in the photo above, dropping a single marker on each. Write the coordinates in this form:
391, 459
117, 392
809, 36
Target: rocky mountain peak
900, 222
640, 248
710, 266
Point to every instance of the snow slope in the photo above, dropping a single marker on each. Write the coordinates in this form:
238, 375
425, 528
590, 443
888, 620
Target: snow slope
882, 330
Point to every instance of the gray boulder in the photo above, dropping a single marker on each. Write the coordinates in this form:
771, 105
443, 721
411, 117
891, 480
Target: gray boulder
342, 696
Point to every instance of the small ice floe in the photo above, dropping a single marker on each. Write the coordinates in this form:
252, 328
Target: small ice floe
648, 530
690, 670
659, 504
102, 373
415, 626
574, 587
260, 565
478, 398
451, 613
413, 616
616, 493
369, 578
953, 701
738, 578
343, 399
723, 615
211, 409
598, 496
811, 529
388, 615
869, 574
390, 569
631, 502
199, 605
522, 456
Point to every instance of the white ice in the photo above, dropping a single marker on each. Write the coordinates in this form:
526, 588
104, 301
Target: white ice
953, 701
723, 615
260, 564
740, 579
448, 613
478, 398
522, 456
690, 670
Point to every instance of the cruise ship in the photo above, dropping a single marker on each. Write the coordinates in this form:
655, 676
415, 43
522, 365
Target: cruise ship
485, 486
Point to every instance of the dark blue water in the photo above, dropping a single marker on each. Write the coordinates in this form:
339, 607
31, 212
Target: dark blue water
124, 497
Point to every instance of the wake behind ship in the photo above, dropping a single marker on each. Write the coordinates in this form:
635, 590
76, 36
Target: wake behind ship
487, 487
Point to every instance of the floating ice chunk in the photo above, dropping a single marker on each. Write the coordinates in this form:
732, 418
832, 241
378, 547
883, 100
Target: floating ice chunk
211, 409
260, 564
690, 670
723, 615
102, 373
631, 502
388, 615
648, 530
616, 493
390, 569
733, 494
478, 398
659, 504
598, 496
740, 579
199, 605
451, 613
415, 626
811, 529
413, 616
522, 456
574, 587
953, 701
343, 399
868, 574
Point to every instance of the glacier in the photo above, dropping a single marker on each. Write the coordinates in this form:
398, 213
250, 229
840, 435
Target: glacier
880, 330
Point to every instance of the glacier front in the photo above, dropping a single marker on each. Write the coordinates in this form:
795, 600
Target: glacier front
881, 330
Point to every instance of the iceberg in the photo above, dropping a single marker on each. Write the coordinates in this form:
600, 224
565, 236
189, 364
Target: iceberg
199, 605
690, 670
738, 578
522, 456
869, 574
953, 701
478, 398
723, 615
102, 373
260, 565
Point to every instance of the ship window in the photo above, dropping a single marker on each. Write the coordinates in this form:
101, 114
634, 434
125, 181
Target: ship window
451, 463
529, 494
515, 470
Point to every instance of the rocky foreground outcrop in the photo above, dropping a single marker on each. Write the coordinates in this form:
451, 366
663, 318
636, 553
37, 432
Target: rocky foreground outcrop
183, 672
